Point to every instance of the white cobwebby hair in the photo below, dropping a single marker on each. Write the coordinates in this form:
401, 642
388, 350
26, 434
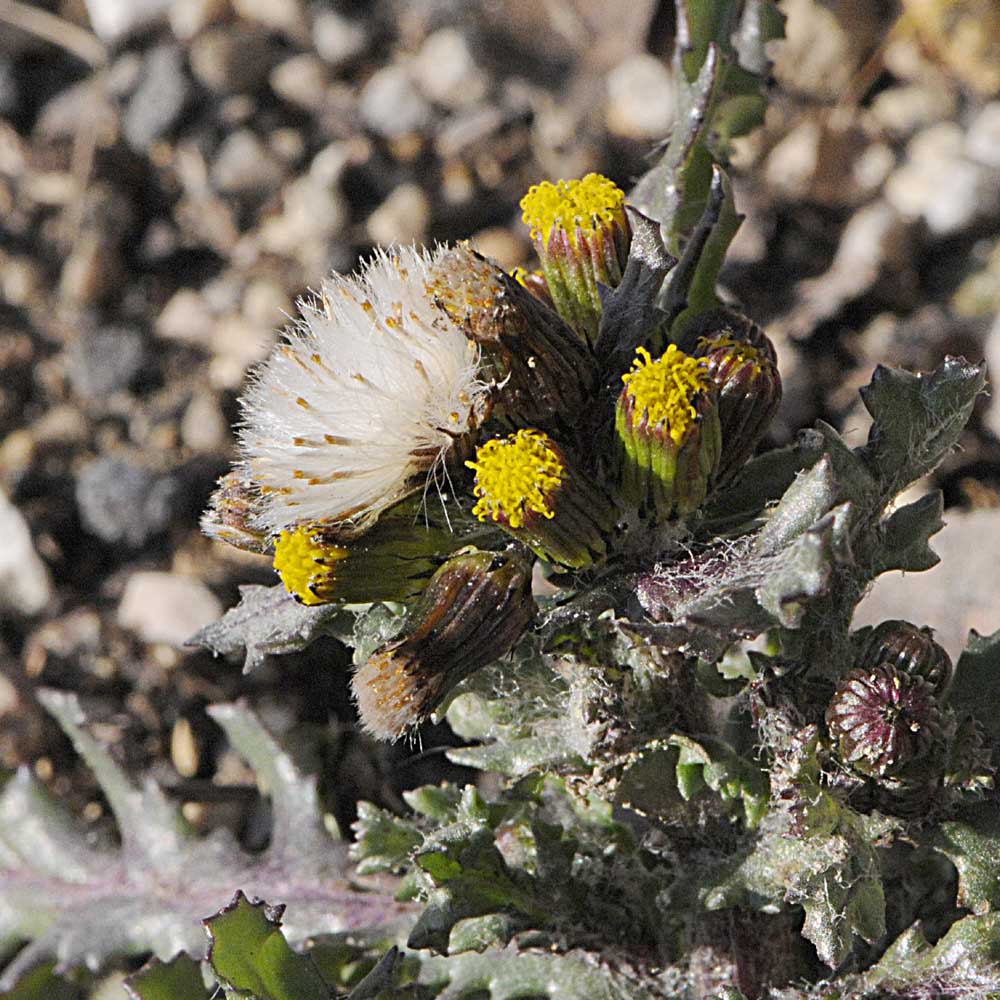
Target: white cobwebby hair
369, 389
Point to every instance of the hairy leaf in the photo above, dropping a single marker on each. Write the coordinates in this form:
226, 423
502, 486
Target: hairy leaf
83, 904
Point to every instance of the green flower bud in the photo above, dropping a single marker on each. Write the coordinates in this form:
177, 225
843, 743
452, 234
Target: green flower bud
473, 611
582, 235
526, 484
667, 424
908, 648
542, 374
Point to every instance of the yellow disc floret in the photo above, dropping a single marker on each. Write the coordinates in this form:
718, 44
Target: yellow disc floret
516, 475
665, 388
585, 204
307, 565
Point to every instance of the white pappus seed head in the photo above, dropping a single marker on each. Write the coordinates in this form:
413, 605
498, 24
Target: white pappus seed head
368, 391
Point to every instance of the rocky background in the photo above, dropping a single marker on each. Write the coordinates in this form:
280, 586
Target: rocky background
175, 173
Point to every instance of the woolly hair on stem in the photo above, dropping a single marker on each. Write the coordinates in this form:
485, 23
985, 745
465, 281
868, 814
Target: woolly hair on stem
364, 397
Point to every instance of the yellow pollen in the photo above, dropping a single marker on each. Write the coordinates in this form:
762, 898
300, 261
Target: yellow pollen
306, 565
665, 388
515, 476
587, 205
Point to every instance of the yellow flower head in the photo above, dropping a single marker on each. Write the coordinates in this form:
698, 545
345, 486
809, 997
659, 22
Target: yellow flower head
665, 389
307, 565
516, 476
585, 205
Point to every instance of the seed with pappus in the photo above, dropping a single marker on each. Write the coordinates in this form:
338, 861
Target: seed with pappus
374, 389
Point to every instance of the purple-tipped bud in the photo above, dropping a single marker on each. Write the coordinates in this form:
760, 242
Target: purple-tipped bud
908, 648
741, 364
883, 719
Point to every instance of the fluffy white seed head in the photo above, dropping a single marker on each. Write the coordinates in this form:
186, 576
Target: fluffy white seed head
366, 392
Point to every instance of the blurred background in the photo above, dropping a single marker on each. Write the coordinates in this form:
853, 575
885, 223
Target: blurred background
175, 173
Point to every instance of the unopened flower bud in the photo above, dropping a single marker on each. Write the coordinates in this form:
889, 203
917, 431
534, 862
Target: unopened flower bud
392, 562
526, 484
542, 374
908, 648
667, 423
582, 236
883, 719
474, 610
749, 394
232, 512
970, 767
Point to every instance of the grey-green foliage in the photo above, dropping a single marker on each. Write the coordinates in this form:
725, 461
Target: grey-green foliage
673, 819
83, 904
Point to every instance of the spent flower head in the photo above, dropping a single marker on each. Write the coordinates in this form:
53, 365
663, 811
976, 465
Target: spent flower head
373, 389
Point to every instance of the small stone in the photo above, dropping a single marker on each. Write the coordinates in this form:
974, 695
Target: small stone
166, 607
121, 501
982, 141
265, 303
301, 80
791, 165
339, 40
203, 426
159, 100
25, 584
500, 244
402, 218
641, 98
231, 58
105, 361
391, 105
446, 72
283, 16
939, 185
114, 19
189, 17
236, 345
244, 165
312, 214
184, 748
91, 272
901, 111
186, 317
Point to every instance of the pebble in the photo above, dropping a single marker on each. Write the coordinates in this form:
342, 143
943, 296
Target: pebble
991, 355
104, 361
159, 100
231, 58
91, 272
245, 166
121, 501
114, 19
446, 71
25, 584
402, 218
203, 425
391, 105
961, 592
186, 317
286, 17
301, 80
641, 101
189, 17
166, 607
236, 345
338, 40
901, 111
939, 185
312, 214
982, 141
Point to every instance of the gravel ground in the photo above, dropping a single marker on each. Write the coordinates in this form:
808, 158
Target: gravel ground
175, 173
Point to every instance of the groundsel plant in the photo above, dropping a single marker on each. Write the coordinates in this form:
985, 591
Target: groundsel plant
540, 506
